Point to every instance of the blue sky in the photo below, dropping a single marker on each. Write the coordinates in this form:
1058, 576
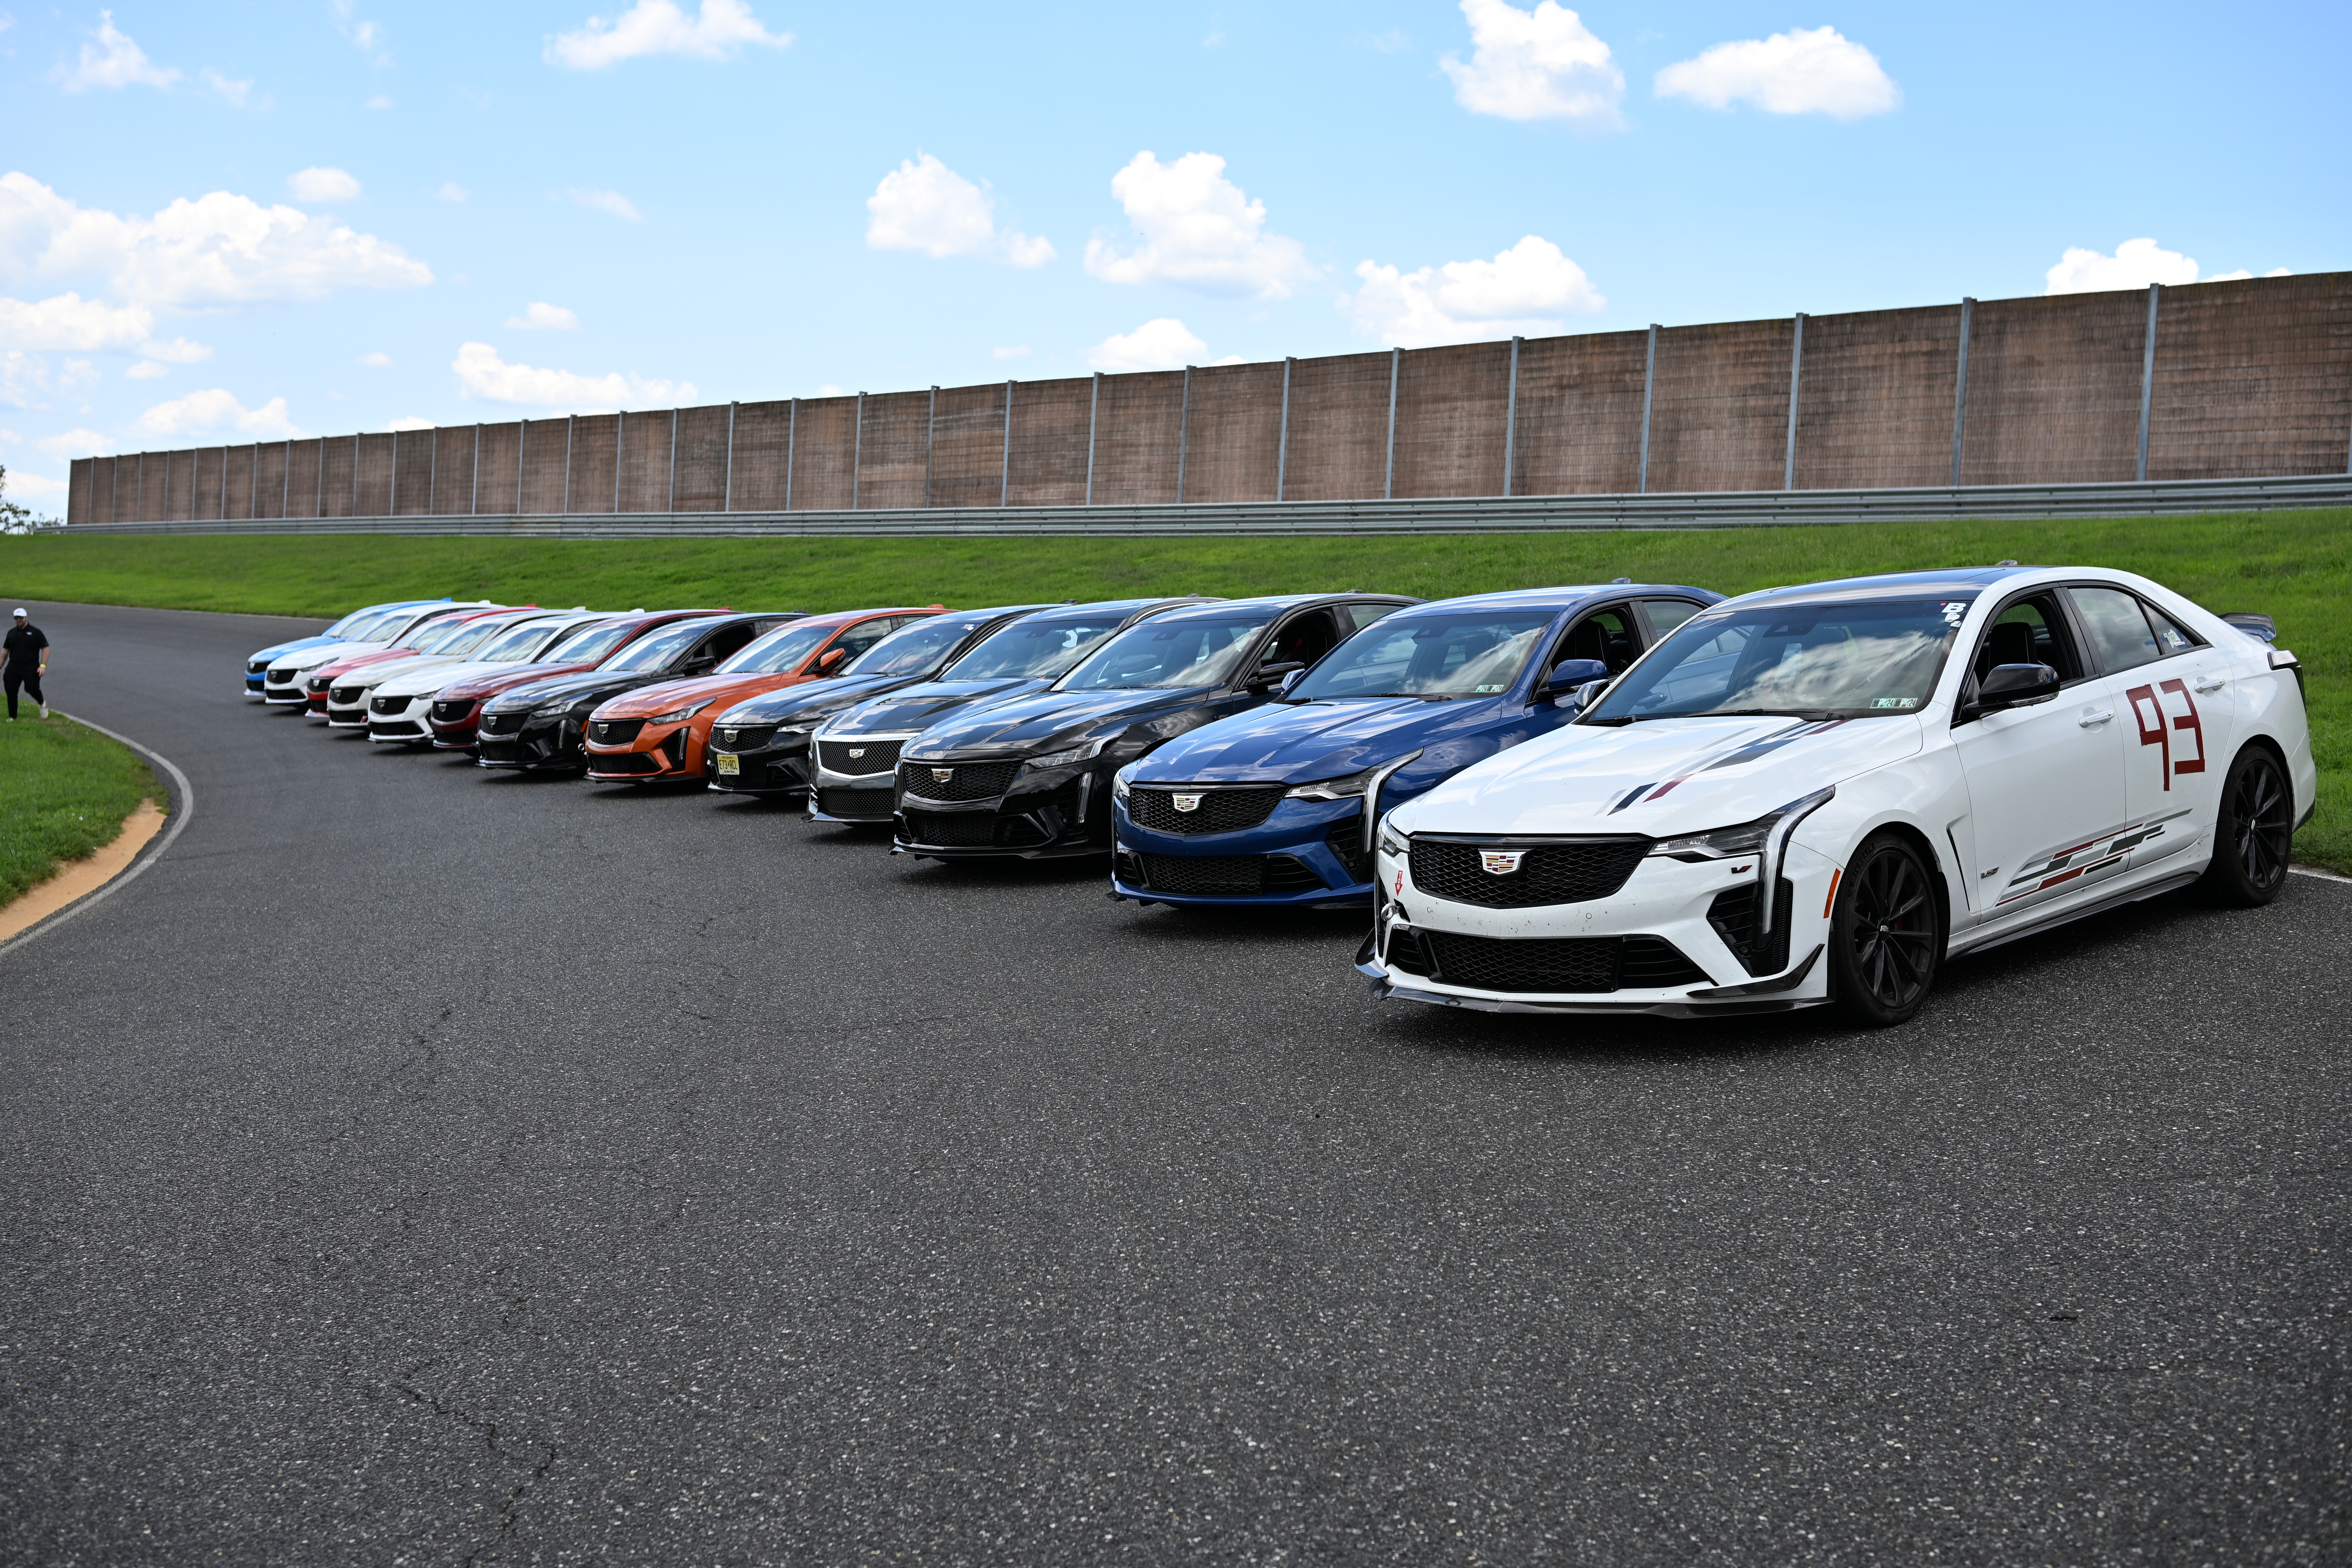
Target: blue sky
236, 221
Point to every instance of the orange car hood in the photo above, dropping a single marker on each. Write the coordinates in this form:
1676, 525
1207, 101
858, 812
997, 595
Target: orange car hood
668, 695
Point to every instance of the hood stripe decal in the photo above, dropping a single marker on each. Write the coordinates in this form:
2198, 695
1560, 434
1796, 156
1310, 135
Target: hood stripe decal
1746, 751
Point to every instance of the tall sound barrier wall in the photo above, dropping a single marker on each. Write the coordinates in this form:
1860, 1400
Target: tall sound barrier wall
2245, 379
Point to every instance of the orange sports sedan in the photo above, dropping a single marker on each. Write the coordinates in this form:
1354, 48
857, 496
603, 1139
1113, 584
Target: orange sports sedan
662, 732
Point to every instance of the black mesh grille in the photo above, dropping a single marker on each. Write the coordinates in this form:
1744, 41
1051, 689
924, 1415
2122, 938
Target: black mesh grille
1219, 811
873, 756
257, 668
742, 737
344, 696
965, 780
1733, 916
396, 727
1228, 874
1288, 874
388, 705
951, 829
614, 732
868, 804
501, 723
1560, 872
450, 712
626, 763
280, 677
1557, 966
1345, 842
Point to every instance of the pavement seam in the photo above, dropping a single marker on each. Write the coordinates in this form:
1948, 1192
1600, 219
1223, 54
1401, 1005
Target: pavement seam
184, 806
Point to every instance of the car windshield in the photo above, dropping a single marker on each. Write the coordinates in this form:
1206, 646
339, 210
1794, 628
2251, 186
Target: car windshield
411, 630
1466, 653
1869, 659
656, 649
515, 644
1036, 646
910, 650
588, 643
380, 627
781, 651
465, 637
1192, 651
348, 627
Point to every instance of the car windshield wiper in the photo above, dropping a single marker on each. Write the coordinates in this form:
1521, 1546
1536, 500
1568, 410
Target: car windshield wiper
1814, 715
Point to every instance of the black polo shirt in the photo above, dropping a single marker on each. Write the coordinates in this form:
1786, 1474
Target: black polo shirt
25, 644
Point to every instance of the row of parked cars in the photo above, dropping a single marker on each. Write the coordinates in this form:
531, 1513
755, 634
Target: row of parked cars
1603, 798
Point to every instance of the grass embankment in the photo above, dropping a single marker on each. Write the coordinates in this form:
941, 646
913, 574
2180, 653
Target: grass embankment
2294, 565
65, 790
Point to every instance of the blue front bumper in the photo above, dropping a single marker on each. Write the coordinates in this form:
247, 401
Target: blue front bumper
1299, 829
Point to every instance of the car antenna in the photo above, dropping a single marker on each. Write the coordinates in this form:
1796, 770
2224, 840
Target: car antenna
2004, 562
1614, 580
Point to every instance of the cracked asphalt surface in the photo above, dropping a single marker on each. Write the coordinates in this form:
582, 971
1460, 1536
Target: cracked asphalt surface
419, 1166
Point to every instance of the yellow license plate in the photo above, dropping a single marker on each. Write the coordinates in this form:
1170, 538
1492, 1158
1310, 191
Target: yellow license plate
728, 762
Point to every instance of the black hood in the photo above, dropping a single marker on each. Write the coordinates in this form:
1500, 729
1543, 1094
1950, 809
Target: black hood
1055, 720
575, 688
921, 706
817, 699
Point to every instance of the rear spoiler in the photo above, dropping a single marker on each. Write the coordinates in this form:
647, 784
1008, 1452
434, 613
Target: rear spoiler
2254, 625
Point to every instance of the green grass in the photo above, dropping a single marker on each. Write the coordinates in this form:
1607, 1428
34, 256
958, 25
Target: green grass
2294, 565
64, 792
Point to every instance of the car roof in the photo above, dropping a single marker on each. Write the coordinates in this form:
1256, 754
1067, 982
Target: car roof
1555, 598
1273, 602
850, 617
1967, 581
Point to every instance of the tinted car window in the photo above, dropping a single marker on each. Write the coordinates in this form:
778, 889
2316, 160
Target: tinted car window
468, 638
1607, 635
1469, 653
514, 643
2030, 631
2118, 630
780, 651
1187, 652
1870, 659
1363, 615
1035, 646
911, 649
1666, 615
866, 633
2170, 638
656, 648
589, 644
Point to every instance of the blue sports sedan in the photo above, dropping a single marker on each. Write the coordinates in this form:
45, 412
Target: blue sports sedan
1275, 805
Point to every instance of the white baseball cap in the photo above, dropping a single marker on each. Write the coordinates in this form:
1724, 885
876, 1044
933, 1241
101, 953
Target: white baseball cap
20, 610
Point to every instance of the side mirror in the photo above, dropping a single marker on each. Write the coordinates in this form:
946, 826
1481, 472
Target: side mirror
2015, 686
830, 661
1570, 675
1268, 674
698, 666
1586, 695
1293, 678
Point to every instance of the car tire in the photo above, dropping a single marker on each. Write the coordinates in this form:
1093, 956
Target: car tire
1886, 935
2253, 832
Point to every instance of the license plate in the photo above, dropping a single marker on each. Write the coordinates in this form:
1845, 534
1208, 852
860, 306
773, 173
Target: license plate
728, 762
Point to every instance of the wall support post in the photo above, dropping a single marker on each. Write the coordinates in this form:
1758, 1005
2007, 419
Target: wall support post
1511, 419
930, 443
1282, 444
1094, 410
857, 453
1388, 485
1184, 433
1649, 388
1796, 373
1960, 390
1004, 456
673, 463
2148, 379
727, 483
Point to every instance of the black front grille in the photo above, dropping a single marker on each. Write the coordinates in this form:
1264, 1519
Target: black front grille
951, 829
280, 677
1558, 871
397, 727
1733, 916
259, 667
1555, 965
1345, 842
388, 705
626, 763
344, 696
1226, 875
742, 737
501, 723
1218, 811
614, 732
450, 712
873, 756
870, 803
965, 780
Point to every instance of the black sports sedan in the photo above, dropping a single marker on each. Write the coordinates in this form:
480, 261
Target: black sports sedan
761, 746
857, 748
540, 725
1031, 778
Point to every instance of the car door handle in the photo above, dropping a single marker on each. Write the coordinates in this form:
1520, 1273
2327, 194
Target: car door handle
2215, 684
2093, 721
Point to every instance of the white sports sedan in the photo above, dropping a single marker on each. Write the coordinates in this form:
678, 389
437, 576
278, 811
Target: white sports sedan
398, 703
1818, 794
286, 682
463, 638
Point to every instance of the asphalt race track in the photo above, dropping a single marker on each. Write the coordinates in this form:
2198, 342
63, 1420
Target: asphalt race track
421, 1166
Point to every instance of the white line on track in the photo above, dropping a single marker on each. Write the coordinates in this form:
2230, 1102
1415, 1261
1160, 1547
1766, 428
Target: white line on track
148, 856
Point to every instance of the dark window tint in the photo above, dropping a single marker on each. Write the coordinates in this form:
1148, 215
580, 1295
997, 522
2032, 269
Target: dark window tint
590, 644
2170, 636
1430, 653
866, 633
2030, 631
1666, 615
2118, 630
913, 649
1363, 615
1303, 640
1606, 634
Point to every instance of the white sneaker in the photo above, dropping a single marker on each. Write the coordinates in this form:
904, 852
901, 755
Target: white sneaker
45, 710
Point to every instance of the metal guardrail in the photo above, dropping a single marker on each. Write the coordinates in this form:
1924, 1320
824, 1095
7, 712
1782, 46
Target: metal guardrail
1485, 514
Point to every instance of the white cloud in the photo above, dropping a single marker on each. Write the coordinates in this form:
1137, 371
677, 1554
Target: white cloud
451, 190
1543, 64
179, 351
482, 374
72, 443
147, 370
541, 316
1198, 231
1164, 343
611, 202
37, 486
658, 27
115, 61
216, 250
365, 37
378, 360
1795, 72
318, 184
923, 205
2242, 274
217, 409
23, 378
70, 321
408, 422
235, 92
1012, 352
2136, 264
1523, 291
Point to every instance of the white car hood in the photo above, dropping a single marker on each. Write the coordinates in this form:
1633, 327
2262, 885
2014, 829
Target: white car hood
1658, 777
373, 675
333, 652
414, 678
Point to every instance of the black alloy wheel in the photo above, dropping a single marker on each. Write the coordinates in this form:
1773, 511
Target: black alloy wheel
2253, 832
1886, 936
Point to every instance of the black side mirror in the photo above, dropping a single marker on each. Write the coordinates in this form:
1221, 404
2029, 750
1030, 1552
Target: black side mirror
1568, 675
1267, 674
698, 666
2015, 686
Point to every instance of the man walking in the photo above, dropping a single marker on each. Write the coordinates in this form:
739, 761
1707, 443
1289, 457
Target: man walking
27, 648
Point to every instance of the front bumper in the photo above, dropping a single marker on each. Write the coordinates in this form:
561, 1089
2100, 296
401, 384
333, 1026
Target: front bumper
1676, 940
399, 720
1306, 854
1043, 815
860, 799
539, 743
658, 754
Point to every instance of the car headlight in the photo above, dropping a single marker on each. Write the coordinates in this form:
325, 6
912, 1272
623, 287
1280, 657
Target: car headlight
1063, 759
686, 712
1348, 788
554, 711
1393, 844
1742, 839
1118, 782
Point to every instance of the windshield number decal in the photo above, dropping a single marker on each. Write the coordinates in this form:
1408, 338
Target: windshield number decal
1954, 613
2159, 723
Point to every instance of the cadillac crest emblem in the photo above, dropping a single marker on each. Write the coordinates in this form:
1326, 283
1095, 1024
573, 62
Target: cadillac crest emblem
1501, 862
942, 776
1186, 802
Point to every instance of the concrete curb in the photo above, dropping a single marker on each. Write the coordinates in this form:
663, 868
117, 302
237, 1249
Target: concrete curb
183, 806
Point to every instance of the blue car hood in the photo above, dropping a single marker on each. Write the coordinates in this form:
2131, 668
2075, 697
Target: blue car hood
920, 707
1279, 743
1033, 723
292, 645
